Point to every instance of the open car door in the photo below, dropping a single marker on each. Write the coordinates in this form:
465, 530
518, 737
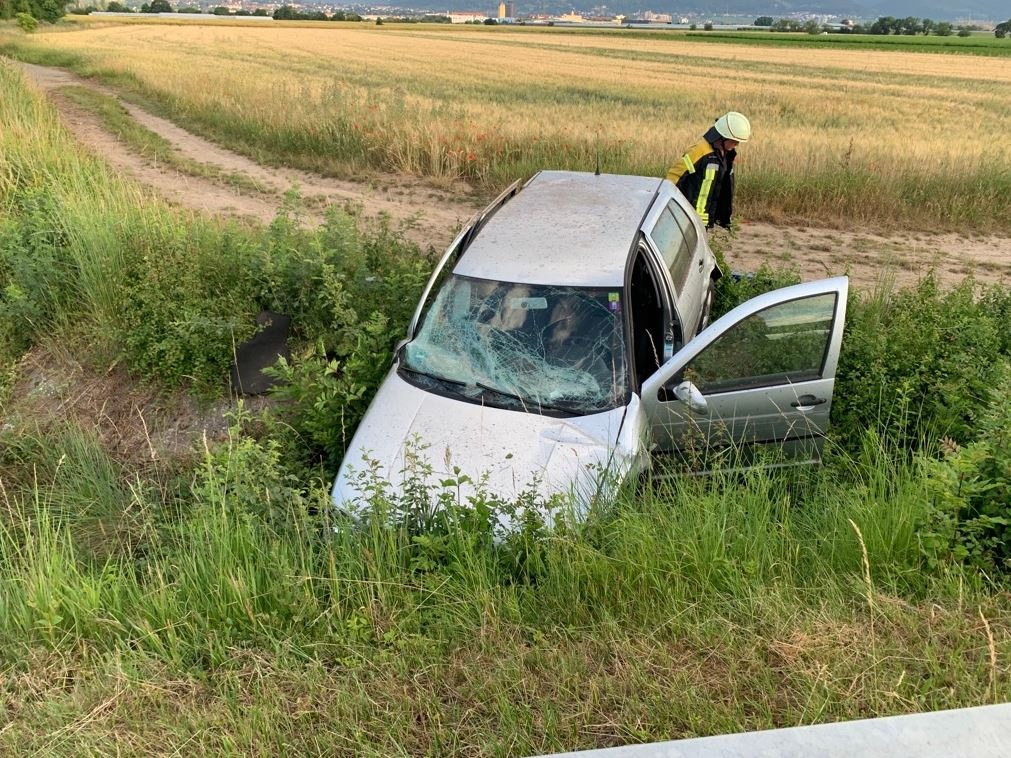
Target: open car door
759, 378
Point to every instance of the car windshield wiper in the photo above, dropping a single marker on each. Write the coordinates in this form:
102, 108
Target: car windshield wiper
436, 377
529, 402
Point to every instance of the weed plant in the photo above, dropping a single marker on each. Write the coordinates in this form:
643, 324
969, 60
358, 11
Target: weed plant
922, 363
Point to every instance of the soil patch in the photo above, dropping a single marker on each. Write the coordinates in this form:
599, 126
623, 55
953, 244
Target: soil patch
137, 425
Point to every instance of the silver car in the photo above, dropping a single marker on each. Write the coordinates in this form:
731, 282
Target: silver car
564, 335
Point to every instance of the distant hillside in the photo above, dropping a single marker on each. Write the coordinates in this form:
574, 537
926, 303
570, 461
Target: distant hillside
997, 10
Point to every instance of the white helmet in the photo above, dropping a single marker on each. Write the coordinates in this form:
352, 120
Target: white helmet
734, 126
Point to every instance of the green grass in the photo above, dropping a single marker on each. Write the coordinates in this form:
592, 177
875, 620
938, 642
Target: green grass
977, 44
220, 629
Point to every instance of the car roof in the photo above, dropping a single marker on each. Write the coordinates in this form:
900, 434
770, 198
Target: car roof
564, 228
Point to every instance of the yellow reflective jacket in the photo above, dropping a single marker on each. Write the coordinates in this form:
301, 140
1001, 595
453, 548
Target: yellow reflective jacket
706, 177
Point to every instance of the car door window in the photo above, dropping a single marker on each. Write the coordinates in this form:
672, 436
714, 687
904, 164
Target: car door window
688, 230
786, 343
670, 241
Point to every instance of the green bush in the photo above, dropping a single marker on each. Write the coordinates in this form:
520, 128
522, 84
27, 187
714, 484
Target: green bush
248, 476
733, 289
37, 273
350, 295
330, 278
27, 22
325, 397
918, 363
187, 298
970, 519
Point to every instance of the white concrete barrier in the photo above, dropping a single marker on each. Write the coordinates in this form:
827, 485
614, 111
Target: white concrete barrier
982, 732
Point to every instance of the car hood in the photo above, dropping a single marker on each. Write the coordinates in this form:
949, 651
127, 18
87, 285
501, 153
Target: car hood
514, 451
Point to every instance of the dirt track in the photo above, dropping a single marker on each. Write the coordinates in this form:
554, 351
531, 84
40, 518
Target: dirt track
432, 216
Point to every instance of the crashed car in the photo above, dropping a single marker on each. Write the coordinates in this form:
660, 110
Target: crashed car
564, 335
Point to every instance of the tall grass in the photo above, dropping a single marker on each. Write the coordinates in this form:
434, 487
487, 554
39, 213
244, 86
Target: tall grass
764, 601
841, 136
41, 178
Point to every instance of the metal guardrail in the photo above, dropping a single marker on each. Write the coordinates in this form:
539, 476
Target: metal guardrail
982, 732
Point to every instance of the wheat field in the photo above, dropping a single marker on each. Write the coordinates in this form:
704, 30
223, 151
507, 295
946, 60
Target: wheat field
844, 137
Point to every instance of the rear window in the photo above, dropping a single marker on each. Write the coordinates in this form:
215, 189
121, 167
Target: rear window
670, 240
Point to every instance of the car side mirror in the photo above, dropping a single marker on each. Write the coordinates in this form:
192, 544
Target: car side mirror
692, 396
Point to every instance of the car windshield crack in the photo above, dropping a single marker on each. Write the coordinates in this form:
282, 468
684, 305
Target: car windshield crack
546, 347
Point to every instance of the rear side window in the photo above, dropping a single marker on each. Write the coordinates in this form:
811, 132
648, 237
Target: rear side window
691, 234
670, 240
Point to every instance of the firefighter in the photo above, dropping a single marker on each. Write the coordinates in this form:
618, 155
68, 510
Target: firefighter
705, 174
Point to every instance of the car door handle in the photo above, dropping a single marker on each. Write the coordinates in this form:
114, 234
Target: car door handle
808, 401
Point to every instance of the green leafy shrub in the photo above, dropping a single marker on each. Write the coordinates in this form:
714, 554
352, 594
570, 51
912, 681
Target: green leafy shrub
27, 22
918, 363
36, 272
330, 278
732, 289
191, 294
247, 476
187, 298
970, 519
350, 295
325, 397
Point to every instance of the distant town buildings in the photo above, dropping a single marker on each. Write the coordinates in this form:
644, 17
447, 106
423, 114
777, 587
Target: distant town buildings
466, 17
656, 18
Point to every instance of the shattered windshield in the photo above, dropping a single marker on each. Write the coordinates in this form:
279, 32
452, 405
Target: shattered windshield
529, 347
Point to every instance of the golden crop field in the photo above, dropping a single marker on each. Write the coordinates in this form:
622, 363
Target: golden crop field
893, 139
